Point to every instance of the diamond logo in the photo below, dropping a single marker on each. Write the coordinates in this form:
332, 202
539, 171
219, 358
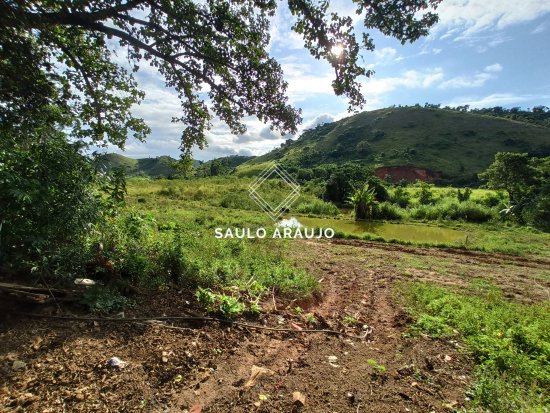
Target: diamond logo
273, 171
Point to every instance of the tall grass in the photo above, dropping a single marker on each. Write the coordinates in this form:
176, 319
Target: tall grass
151, 255
318, 207
450, 209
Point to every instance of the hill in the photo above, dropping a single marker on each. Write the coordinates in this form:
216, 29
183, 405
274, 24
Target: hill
410, 143
220, 166
153, 167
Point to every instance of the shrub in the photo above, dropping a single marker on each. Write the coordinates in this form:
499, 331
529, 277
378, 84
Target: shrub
386, 210
494, 200
318, 207
425, 195
305, 175
463, 196
449, 209
470, 211
400, 197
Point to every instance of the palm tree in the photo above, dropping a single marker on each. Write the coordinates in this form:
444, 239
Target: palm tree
363, 202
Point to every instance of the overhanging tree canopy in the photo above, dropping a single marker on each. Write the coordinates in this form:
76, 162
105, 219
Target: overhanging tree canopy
219, 47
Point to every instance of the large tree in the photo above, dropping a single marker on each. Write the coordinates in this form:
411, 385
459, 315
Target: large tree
214, 53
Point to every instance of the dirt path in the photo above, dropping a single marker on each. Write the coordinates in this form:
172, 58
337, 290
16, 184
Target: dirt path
177, 370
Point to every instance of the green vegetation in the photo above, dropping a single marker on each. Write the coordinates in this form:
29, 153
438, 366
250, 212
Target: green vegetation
452, 146
508, 341
526, 180
378, 368
318, 207
162, 166
364, 202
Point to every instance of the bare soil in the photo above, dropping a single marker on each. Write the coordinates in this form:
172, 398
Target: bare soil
203, 366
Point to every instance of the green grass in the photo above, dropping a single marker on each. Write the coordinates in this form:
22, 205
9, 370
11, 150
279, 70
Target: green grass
153, 255
509, 342
215, 202
318, 207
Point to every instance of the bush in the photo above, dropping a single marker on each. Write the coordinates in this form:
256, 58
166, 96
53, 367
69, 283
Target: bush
425, 195
449, 209
494, 200
386, 210
463, 196
49, 198
305, 175
471, 212
318, 207
400, 197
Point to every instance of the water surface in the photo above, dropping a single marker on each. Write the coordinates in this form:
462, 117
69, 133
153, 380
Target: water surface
404, 232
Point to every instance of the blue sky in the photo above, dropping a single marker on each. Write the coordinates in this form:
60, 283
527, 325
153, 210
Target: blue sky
483, 53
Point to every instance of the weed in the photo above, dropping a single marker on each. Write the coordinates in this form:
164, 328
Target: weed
310, 318
349, 320
378, 368
508, 341
104, 300
318, 207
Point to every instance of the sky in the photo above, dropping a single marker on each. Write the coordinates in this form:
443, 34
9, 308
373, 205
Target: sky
482, 53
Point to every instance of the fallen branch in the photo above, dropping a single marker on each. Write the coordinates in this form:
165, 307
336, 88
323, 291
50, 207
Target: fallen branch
188, 318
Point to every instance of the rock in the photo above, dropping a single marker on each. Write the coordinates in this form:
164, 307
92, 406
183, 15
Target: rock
116, 362
196, 408
19, 365
298, 398
255, 373
332, 361
84, 281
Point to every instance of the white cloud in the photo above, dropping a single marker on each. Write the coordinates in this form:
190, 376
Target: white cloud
497, 67
303, 81
458, 82
387, 53
541, 28
496, 99
409, 79
473, 16
473, 81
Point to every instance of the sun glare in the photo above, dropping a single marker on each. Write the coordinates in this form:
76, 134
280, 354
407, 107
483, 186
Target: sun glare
337, 50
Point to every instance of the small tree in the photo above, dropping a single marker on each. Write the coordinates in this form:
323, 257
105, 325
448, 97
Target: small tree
464, 196
425, 195
364, 202
513, 173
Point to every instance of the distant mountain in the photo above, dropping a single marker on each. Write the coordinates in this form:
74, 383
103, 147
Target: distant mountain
153, 167
221, 166
162, 166
409, 143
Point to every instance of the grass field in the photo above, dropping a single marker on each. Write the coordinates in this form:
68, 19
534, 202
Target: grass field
209, 203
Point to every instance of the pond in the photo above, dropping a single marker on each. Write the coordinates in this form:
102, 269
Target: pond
404, 232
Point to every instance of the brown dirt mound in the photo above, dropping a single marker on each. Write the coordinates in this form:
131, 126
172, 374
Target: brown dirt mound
407, 173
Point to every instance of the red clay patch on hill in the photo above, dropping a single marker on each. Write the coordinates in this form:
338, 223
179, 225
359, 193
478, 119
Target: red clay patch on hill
408, 173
